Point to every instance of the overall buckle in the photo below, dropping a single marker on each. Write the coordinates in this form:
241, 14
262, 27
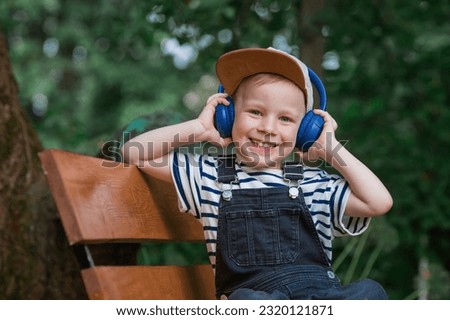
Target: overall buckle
293, 173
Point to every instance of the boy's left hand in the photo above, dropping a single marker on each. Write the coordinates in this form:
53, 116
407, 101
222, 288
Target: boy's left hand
324, 145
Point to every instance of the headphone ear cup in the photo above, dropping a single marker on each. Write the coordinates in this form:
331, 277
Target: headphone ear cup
309, 130
224, 118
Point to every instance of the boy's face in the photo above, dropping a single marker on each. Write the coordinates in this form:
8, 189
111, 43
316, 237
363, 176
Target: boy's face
267, 118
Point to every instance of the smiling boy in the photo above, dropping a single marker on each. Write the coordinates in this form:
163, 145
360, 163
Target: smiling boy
268, 112
265, 242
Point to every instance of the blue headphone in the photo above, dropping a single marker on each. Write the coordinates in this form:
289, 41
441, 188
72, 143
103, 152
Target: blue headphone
310, 127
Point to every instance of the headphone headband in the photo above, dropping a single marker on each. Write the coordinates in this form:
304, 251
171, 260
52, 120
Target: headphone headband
318, 84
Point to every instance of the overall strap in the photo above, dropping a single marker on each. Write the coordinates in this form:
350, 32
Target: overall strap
226, 169
226, 175
293, 172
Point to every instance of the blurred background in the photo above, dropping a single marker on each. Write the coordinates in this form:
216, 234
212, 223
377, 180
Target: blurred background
88, 70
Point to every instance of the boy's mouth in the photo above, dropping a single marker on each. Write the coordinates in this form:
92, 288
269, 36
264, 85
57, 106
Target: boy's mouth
263, 144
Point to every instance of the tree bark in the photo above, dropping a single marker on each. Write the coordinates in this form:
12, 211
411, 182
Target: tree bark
312, 42
311, 38
36, 261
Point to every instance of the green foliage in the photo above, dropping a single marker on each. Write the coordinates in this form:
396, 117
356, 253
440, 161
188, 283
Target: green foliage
180, 254
390, 97
87, 69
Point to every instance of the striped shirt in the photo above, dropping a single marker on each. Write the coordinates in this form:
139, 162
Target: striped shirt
199, 194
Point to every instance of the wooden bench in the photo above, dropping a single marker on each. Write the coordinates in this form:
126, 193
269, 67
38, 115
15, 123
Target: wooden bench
106, 205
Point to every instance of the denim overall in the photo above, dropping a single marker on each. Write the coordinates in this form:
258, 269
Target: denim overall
268, 247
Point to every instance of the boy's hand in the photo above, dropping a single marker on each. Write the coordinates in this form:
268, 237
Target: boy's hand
326, 144
206, 119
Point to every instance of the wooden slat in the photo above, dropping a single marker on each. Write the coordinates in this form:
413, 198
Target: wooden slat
150, 282
100, 201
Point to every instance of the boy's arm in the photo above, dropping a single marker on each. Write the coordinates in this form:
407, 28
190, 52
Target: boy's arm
150, 150
369, 197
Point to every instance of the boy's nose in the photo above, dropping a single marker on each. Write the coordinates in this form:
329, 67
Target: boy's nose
267, 125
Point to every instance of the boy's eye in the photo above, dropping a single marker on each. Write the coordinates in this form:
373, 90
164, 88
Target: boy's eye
255, 112
285, 119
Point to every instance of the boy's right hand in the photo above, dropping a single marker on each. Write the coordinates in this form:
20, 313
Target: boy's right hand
206, 119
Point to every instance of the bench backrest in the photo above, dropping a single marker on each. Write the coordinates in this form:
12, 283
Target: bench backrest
106, 202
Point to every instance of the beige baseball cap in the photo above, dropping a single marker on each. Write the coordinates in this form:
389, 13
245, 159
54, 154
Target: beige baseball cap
235, 66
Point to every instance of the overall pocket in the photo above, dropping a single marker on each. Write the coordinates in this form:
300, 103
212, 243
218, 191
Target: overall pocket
263, 237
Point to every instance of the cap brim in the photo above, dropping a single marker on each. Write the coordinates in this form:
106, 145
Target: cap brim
235, 66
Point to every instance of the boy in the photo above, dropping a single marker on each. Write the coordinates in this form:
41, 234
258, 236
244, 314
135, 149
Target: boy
268, 226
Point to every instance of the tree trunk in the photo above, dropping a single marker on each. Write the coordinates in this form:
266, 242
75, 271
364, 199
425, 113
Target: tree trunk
312, 42
36, 261
311, 38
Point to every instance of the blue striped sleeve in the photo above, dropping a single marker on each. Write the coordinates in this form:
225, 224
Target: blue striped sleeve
343, 224
184, 205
